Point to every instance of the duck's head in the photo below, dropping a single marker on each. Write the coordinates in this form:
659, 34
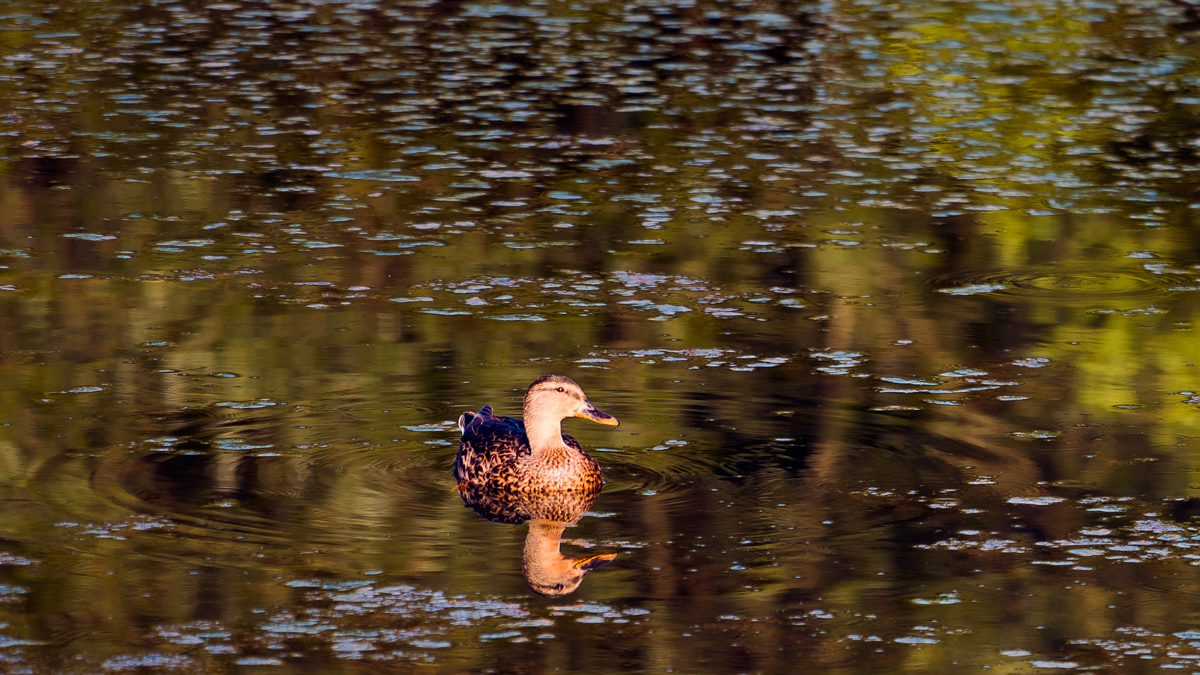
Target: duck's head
558, 397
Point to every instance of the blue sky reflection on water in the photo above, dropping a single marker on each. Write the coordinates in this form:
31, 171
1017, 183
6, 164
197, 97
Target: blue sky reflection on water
894, 302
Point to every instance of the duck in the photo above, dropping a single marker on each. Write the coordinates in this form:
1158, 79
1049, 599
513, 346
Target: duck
530, 455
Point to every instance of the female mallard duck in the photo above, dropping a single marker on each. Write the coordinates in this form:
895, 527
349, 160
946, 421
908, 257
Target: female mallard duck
547, 570
501, 453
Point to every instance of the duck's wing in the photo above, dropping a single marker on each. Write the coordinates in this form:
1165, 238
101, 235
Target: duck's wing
512, 424
489, 442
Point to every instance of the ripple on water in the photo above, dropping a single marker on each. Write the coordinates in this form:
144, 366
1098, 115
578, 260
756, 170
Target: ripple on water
1082, 285
245, 472
177, 422
275, 500
196, 497
670, 477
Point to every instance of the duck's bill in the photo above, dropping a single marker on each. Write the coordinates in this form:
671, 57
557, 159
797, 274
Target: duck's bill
592, 562
596, 415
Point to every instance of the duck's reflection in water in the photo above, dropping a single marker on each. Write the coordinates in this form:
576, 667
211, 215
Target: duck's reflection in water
547, 571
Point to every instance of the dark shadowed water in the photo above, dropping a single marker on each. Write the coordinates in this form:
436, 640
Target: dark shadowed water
895, 302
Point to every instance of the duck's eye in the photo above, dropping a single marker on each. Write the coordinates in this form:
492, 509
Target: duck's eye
561, 390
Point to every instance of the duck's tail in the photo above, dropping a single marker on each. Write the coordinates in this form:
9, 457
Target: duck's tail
470, 422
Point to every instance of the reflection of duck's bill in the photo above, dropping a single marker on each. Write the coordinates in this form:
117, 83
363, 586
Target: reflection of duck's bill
595, 414
592, 562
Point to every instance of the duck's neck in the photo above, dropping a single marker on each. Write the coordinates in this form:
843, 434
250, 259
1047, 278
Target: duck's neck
547, 571
542, 545
544, 431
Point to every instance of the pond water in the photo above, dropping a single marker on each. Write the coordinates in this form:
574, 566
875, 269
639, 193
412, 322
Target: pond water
895, 303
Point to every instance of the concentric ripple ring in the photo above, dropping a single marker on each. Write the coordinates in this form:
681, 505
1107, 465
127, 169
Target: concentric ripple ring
1065, 284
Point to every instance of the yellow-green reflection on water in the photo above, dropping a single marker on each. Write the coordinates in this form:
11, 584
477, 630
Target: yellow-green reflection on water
895, 303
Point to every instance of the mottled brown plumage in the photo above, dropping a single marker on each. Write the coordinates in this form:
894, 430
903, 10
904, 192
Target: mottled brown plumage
501, 505
502, 454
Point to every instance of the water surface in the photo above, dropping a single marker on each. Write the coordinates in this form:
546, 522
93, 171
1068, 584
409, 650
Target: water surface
894, 302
